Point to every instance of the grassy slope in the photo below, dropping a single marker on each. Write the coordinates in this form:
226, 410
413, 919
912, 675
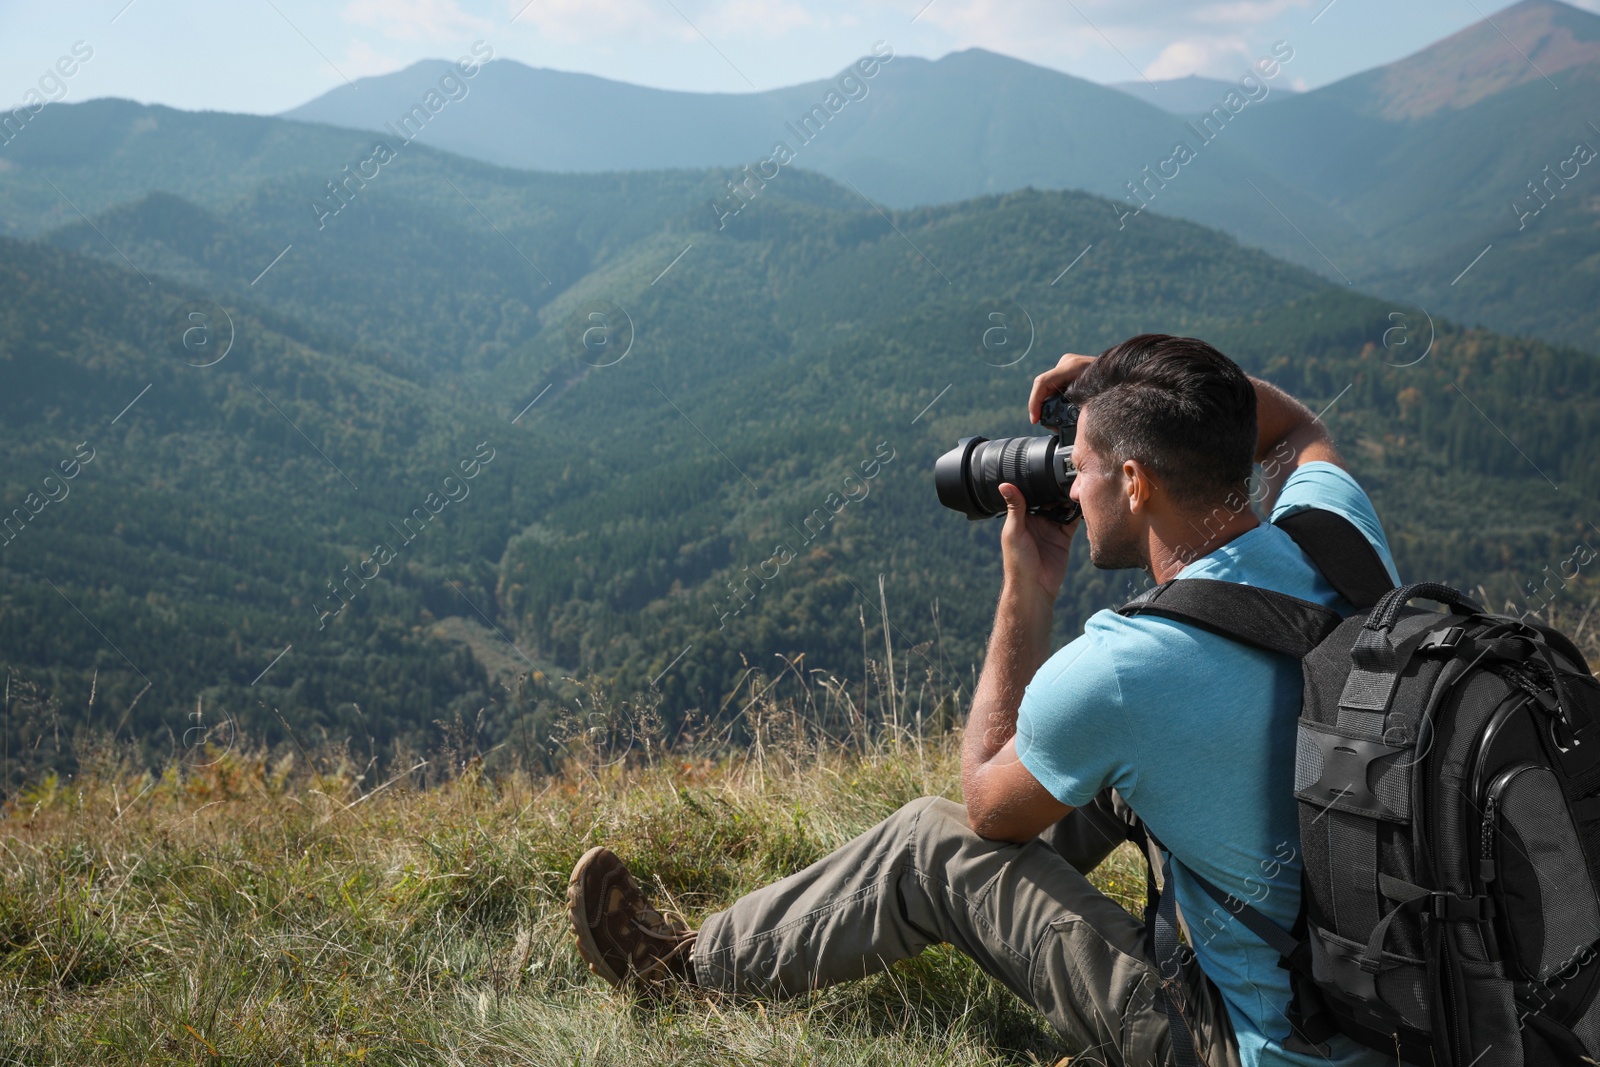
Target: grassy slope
253, 908
254, 911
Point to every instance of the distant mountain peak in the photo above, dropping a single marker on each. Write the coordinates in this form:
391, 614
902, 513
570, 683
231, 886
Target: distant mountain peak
1188, 95
1528, 42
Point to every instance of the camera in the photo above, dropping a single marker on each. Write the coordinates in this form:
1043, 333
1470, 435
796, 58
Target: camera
969, 476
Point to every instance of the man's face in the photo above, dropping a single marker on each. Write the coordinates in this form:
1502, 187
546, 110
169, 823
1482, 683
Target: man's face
1116, 540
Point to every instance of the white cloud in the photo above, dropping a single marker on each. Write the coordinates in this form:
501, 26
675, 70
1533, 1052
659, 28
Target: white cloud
1214, 57
416, 20
1212, 39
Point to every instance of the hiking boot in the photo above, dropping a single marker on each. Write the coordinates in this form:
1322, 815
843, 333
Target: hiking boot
620, 937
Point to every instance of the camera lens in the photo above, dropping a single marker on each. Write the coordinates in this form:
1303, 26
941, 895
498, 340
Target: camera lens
968, 477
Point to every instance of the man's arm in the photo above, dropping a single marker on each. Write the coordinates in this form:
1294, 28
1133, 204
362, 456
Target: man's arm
1287, 435
1005, 802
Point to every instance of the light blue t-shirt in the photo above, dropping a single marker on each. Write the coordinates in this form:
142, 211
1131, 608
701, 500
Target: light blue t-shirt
1197, 733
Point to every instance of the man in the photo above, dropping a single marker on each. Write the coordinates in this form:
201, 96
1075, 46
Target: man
1141, 722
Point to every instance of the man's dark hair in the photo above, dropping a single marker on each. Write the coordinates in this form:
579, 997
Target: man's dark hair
1178, 406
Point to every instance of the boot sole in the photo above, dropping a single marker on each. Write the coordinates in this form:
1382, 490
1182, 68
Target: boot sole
578, 913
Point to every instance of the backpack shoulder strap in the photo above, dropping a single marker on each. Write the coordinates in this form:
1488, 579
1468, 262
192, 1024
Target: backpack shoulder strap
1262, 618
1341, 552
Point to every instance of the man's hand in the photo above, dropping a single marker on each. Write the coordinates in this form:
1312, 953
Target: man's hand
1052, 381
1033, 549
1004, 801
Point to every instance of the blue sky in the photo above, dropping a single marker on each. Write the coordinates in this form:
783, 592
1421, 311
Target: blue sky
267, 56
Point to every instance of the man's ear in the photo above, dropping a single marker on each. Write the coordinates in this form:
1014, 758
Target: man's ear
1137, 485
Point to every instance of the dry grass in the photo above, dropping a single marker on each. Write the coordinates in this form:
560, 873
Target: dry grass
241, 909
290, 908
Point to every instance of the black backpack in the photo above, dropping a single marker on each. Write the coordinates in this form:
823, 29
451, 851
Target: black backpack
1448, 777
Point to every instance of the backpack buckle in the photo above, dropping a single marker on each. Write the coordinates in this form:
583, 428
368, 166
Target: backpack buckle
1345, 772
1442, 640
1451, 908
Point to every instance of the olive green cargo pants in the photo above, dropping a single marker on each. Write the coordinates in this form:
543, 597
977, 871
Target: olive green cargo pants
1025, 913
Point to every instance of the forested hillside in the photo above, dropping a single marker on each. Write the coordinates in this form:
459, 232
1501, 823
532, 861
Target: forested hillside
787, 418
695, 442
178, 516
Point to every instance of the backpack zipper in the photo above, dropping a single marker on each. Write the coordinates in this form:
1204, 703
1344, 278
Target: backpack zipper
1449, 994
1486, 843
1492, 728
1491, 803
1491, 797
1487, 850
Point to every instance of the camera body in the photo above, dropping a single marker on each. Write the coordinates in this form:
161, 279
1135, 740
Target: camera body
968, 477
1061, 415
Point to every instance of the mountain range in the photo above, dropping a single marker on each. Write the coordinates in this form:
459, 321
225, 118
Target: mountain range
695, 497
1392, 180
383, 447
